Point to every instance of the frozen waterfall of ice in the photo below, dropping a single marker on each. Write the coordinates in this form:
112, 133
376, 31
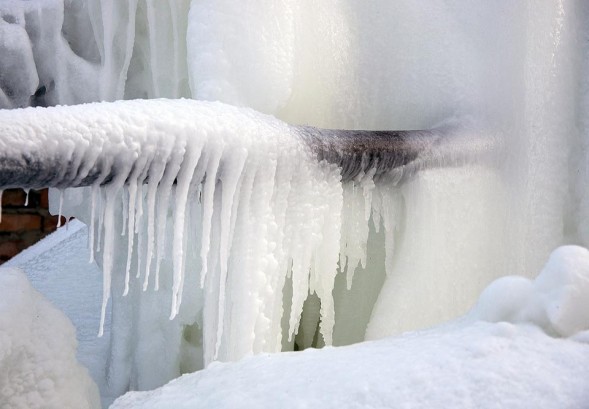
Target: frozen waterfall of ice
268, 226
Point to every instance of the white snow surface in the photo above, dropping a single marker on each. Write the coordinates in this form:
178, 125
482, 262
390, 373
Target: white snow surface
503, 354
482, 365
58, 268
38, 366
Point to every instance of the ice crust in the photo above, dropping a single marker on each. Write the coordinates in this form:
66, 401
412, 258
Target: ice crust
38, 366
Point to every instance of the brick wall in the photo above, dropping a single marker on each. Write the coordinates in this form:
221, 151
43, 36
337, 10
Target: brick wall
22, 225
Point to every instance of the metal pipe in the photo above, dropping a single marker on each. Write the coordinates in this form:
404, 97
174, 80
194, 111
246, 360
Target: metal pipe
30, 161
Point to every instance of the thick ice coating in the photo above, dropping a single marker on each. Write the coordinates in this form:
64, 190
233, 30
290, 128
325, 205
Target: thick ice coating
246, 184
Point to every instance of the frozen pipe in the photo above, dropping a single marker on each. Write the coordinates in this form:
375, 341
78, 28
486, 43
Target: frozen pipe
70, 146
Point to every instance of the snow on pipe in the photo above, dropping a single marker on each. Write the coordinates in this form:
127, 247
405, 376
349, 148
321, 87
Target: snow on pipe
73, 146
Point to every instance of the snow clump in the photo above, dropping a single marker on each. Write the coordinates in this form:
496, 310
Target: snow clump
557, 300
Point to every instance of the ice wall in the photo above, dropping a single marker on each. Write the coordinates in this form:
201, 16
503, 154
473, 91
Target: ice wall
515, 66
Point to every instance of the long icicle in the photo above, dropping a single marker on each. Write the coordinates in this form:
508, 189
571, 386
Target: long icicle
184, 178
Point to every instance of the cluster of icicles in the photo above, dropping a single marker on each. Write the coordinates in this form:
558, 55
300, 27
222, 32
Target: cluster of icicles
245, 203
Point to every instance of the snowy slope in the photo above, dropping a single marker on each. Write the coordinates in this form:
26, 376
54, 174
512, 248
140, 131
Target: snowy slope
482, 365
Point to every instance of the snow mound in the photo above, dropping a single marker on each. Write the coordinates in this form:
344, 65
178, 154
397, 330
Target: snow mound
466, 363
557, 300
483, 365
58, 268
38, 367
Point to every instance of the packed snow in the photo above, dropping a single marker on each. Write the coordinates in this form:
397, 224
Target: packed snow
38, 366
479, 366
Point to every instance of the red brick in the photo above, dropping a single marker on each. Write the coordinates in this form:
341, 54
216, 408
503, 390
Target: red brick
20, 222
13, 197
44, 203
10, 249
50, 223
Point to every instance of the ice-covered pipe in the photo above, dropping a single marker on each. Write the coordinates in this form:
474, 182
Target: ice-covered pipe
72, 146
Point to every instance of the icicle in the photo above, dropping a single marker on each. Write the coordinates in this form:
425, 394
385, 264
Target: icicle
132, 189
100, 218
153, 35
107, 255
389, 208
125, 203
155, 176
139, 210
302, 241
130, 37
172, 168
92, 221
208, 196
229, 182
367, 189
184, 180
60, 207
376, 210
176, 42
27, 191
139, 231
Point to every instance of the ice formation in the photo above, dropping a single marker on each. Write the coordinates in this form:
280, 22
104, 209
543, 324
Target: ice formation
38, 352
423, 250
265, 207
555, 301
